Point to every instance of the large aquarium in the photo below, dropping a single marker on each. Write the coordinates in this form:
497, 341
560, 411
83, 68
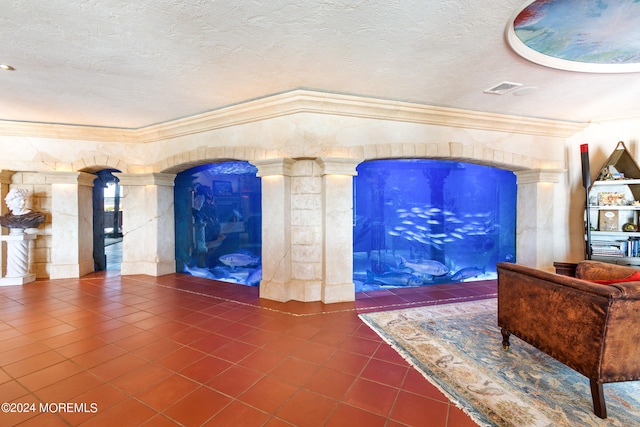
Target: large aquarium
218, 222
425, 222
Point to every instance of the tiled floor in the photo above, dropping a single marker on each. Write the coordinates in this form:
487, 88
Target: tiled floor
107, 350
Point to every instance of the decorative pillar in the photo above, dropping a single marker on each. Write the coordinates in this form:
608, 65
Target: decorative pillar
148, 242
275, 176
71, 224
5, 180
337, 224
535, 217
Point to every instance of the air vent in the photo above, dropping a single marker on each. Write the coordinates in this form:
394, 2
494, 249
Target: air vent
502, 88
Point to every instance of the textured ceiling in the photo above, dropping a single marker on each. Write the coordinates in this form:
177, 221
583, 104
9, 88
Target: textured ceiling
131, 64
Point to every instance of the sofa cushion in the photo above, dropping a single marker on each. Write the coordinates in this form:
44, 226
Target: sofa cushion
635, 277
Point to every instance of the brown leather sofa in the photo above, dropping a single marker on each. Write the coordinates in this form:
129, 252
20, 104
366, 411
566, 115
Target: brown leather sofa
592, 328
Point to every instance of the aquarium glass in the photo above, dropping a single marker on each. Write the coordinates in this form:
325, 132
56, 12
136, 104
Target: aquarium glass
218, 222
424, 222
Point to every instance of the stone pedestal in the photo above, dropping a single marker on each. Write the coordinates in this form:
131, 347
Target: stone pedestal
17, 258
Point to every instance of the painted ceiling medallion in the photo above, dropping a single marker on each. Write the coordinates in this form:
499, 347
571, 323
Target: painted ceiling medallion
594, 36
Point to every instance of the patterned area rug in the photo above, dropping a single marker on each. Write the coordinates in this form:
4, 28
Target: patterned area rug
458, 347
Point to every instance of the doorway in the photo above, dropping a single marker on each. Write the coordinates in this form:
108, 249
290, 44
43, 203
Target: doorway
107, 221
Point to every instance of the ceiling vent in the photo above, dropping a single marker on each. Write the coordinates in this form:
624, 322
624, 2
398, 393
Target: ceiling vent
502, 88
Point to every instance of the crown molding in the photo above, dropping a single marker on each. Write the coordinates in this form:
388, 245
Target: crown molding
296, 102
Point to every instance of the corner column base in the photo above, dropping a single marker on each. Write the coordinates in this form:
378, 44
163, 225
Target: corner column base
12, 281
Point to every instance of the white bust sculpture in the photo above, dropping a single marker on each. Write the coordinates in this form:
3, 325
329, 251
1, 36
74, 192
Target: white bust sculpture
20, 217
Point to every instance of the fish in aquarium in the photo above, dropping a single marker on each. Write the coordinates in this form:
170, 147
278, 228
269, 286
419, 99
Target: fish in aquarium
239, 260
467, 273
429, 267
394, 278
204, 273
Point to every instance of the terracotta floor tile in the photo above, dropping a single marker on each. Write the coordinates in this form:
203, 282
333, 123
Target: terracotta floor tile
205, 369
50, 375
141, 378
99, 356
294, 371
414, 410
457, 418
238, 414
234, 351
180, 358
312, 352
268, 394
363, 346
118, 366
69, 388
262, 360
371, 396
349, 363
104, 397
414, 382
329, 382
33, 363
385, 372
197, 407
307, 409
168, 391
134, 412
346, 415
210, 342
234, 381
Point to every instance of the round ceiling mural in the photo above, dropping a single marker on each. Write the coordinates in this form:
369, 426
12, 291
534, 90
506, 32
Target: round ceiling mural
597, 36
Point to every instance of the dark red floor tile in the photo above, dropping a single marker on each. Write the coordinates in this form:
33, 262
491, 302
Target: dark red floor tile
294, 371
197, 407
234, 381
371, 396
307, 409
415, 383
141, 378
180, 358
166, 392
384, 372
205, 369
349, 363
457, 418
346, 415
329, 382
238, 414
414, 410
134, 412
268, 394
33, 363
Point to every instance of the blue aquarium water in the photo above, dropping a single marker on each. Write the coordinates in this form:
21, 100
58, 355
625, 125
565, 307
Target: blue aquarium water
424, 222
218, 222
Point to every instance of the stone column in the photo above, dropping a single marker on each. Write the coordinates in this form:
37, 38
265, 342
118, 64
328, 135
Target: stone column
275, 176
535, 217
5, 180
337, 219
148, 242
71, 224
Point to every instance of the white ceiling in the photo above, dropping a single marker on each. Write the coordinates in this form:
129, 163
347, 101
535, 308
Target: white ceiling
132, 64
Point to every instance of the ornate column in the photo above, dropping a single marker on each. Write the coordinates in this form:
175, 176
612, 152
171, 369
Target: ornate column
276, 227
5, 180
337, 224
535, 217
148, 243
71, 224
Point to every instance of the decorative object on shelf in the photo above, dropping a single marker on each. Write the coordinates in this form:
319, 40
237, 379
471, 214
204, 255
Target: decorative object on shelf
606, 198
608, 221
629, 227
19, 219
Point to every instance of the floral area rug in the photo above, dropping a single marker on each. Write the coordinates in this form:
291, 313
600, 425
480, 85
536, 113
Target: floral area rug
458, 347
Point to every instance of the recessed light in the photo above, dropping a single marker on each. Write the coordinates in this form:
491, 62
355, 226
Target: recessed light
502, 88
524, 90
6, 67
